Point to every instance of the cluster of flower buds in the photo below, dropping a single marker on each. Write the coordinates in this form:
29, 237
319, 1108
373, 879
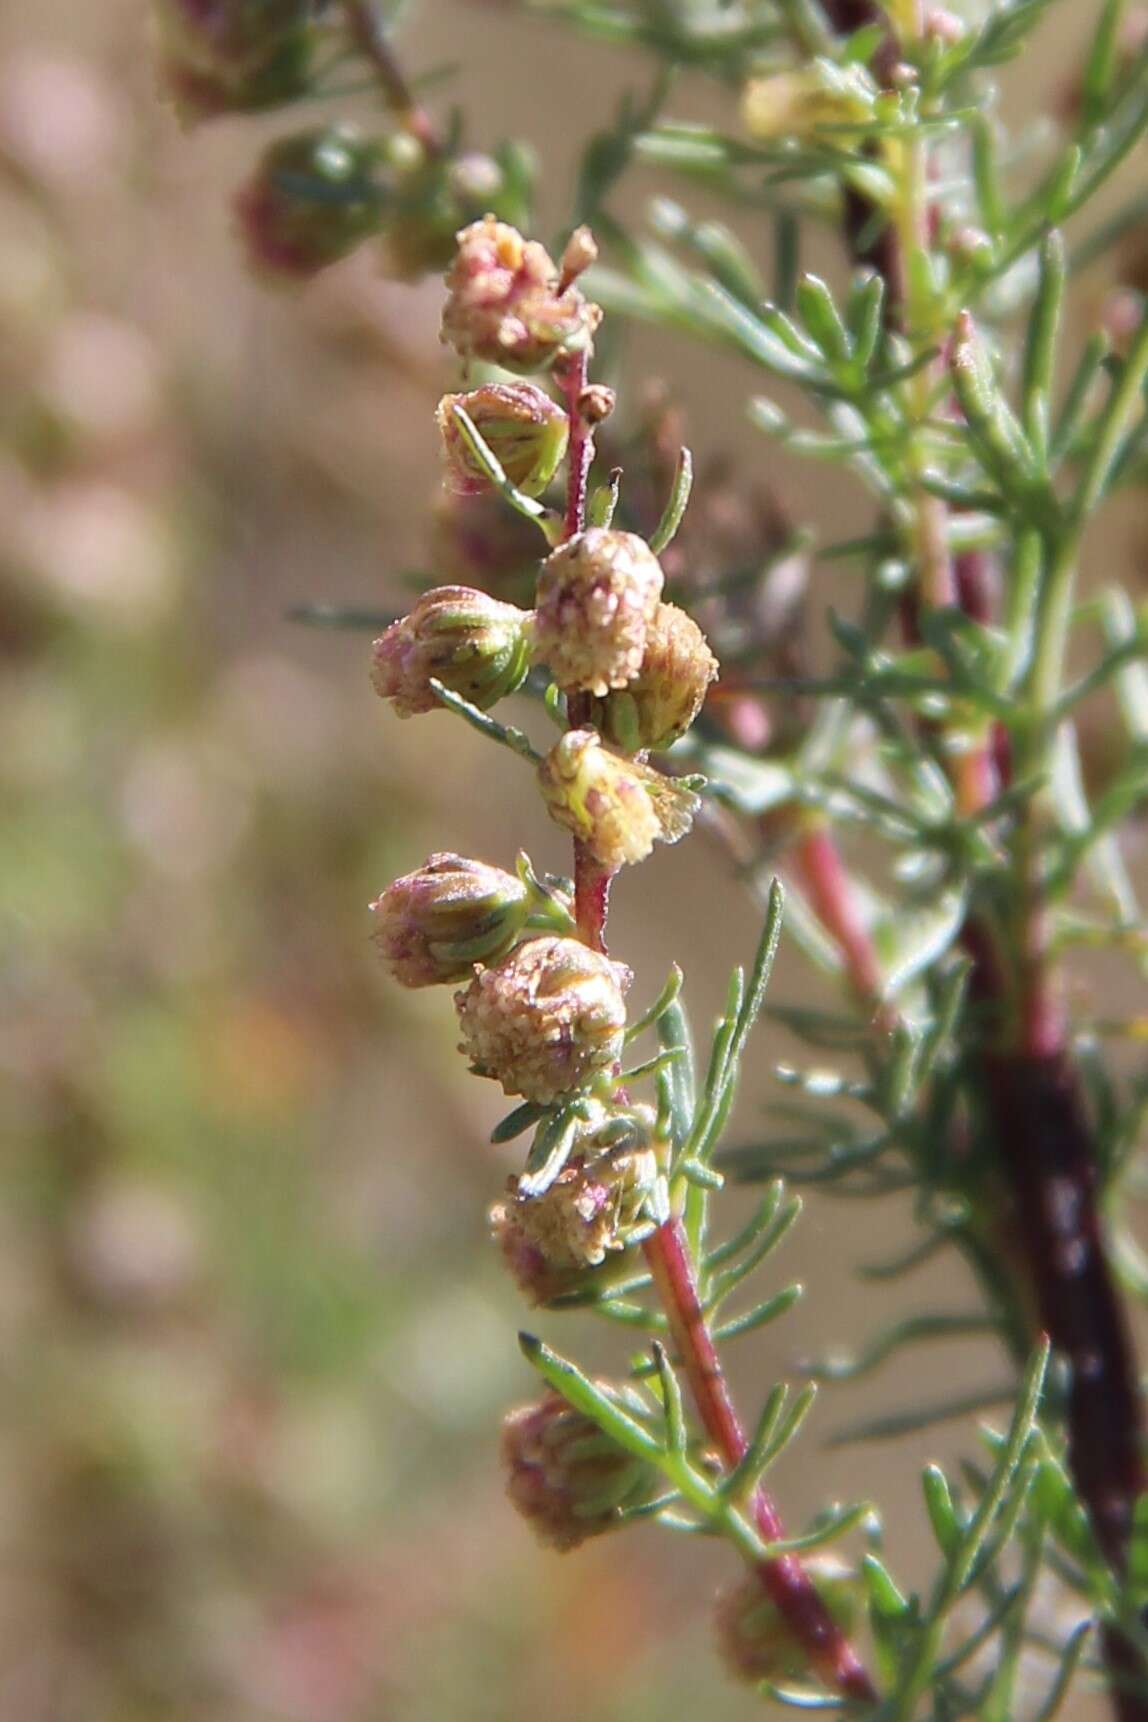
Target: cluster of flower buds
561, 1239
565, 1477
508, 302
543, 1011
315, 195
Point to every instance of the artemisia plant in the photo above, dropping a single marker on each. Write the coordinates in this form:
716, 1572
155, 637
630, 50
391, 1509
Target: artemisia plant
942, 728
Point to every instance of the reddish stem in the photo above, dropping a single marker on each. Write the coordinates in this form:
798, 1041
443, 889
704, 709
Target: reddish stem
667, 1250
784, 1578
831, 893
572, 376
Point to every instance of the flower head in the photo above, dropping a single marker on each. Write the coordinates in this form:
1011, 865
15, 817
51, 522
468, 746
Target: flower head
233, 56
618, 807
568, 1479
433, 925
311, 200
597, 596
755, 1640
506, 304
470, 642
592, 1210
666, 695
546, 1019
523, 428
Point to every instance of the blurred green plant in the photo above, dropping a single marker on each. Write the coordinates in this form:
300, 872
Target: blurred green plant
944, 736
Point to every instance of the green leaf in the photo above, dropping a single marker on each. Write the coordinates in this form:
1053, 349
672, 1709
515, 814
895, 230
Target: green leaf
666, 530
580, 1392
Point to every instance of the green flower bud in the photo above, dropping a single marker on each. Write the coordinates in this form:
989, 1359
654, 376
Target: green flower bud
597, 595
545, 1020
311, 201
474, 645
618, 807
506, 304
755, 1640
233, 56
668, 692
521, 425
595, 1209
565, 1477
433, 925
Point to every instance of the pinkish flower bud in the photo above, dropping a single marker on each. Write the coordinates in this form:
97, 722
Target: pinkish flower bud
523, 428
505, 305
757, 1643
470, 642
596, 1208
666, 695
311, 201
580, 253
433, 925
618, 807
566, 1478
545, 1020
233, 56
597, 596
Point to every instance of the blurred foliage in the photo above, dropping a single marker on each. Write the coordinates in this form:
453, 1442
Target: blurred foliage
222, 1297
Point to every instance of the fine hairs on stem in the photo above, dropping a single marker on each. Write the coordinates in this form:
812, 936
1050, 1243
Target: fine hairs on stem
962, 1065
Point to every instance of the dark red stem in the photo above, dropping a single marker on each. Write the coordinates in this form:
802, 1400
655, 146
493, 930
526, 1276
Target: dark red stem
784, 1578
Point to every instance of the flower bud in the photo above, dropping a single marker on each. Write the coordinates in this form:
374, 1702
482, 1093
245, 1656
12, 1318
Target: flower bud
504, 302
523, 428
568, 1479
580, 253
797, 102
597, 595
755, 1640
474, 645
666, 695
618, 807
311, 201
546, 1019
233, 56
433, 925
595, 1208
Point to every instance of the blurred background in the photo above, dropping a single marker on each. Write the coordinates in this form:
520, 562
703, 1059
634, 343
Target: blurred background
255, 1343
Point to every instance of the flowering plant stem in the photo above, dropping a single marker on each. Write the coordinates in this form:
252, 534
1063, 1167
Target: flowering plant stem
667, 1249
